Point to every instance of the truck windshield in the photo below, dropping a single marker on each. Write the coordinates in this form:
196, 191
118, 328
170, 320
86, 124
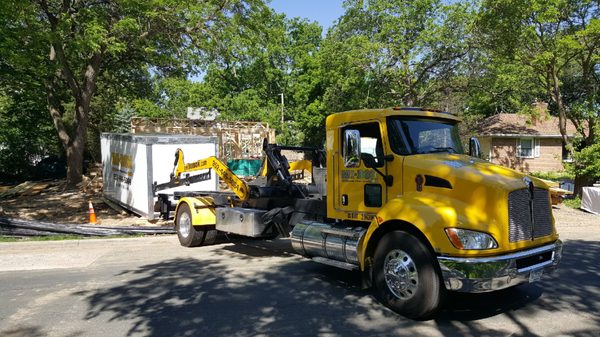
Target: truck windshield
419, 135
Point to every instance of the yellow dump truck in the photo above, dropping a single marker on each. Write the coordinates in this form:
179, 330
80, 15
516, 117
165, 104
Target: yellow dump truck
393, 195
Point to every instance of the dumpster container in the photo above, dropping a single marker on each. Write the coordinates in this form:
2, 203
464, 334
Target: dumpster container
133, 162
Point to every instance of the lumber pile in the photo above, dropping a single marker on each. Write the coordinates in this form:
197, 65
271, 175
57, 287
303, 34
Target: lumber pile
20, 189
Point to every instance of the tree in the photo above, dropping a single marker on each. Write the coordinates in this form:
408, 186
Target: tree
73, 42
394, 53
558, 41
494, 85
25, 135
252, 69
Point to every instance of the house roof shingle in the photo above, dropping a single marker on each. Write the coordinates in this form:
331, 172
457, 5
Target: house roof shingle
505, 124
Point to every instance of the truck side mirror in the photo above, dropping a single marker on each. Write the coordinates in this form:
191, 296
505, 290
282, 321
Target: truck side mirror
474, 147
369, 161
351, 150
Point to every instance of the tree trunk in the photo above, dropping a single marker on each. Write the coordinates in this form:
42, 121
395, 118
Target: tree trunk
82, 90
580, 182
556, 95
73, 142
74, 164
76, 147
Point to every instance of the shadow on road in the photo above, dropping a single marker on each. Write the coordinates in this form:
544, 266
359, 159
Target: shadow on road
28, 331
206, 297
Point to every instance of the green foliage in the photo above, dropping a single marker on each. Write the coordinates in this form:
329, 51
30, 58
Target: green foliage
83, 59
554, 176
388, 53
586, 161
554, 46
573, 203
247, 75
501, 87
246, 78
26, 136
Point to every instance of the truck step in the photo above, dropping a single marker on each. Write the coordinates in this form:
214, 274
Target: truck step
335, 263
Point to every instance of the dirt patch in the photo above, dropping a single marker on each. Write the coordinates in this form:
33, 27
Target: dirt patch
572, 222
51, 201
575, 217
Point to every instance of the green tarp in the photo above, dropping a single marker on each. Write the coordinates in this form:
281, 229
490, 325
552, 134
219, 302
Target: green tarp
244, 167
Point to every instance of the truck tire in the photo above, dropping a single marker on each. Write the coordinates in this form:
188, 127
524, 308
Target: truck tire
187, 234
406, 278
210, 236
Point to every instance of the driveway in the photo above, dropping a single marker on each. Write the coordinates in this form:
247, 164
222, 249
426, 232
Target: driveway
153, 287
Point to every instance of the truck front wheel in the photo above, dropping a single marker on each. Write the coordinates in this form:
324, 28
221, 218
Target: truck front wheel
406, 279
188, 235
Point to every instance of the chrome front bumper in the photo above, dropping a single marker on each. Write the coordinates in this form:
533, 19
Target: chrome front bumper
476, 275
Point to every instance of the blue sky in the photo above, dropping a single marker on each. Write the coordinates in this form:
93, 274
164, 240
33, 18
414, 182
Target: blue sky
323, 11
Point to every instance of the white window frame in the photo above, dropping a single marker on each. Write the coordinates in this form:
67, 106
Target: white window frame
535, 147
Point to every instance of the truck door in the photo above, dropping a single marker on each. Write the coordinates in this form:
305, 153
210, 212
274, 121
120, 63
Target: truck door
361, 191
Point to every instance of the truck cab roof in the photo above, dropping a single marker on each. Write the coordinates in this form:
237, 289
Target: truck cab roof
354, 116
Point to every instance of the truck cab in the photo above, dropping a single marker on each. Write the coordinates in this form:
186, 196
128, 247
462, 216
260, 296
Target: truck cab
435, 218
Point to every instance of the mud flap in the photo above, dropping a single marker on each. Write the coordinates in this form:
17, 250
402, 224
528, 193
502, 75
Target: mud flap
279, 217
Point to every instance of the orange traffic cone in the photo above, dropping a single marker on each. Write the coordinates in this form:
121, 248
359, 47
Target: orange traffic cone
92, 214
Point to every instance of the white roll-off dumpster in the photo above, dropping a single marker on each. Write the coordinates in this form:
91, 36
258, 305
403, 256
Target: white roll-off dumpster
132, 163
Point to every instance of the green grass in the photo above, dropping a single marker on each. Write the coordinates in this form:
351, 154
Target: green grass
4, 238
60, 237
572, 203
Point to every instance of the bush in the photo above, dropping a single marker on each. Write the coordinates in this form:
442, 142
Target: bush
554, 176
573, 203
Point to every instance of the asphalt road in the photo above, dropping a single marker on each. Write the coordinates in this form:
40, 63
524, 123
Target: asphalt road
153, 287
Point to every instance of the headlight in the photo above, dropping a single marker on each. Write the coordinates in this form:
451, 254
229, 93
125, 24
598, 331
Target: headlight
468, 239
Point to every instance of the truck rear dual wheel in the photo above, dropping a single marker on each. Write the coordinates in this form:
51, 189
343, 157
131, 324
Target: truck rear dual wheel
190, 236
406, 279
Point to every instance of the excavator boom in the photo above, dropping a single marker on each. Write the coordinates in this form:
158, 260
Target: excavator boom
238, 186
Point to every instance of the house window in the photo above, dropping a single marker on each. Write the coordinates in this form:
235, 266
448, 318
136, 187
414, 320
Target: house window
528, 147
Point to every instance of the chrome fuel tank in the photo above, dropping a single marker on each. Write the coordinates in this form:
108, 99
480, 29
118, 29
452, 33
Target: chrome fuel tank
315, 239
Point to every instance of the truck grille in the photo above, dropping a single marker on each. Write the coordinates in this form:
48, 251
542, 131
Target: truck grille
520, 226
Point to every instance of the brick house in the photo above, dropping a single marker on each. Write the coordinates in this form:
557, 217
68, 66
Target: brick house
526, 145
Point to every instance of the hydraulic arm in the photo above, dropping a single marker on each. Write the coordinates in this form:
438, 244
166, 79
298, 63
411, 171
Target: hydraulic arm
237, 185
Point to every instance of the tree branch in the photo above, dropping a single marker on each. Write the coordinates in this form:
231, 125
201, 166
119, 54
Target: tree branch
212, 17
57, 52
51, 17
67, 73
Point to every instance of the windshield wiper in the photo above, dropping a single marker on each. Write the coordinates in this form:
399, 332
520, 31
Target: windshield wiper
445, 149
433, 149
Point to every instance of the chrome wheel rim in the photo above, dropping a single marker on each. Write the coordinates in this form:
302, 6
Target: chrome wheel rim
401, 274
185, 224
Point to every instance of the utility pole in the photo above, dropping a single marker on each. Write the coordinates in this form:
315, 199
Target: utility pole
281, 108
